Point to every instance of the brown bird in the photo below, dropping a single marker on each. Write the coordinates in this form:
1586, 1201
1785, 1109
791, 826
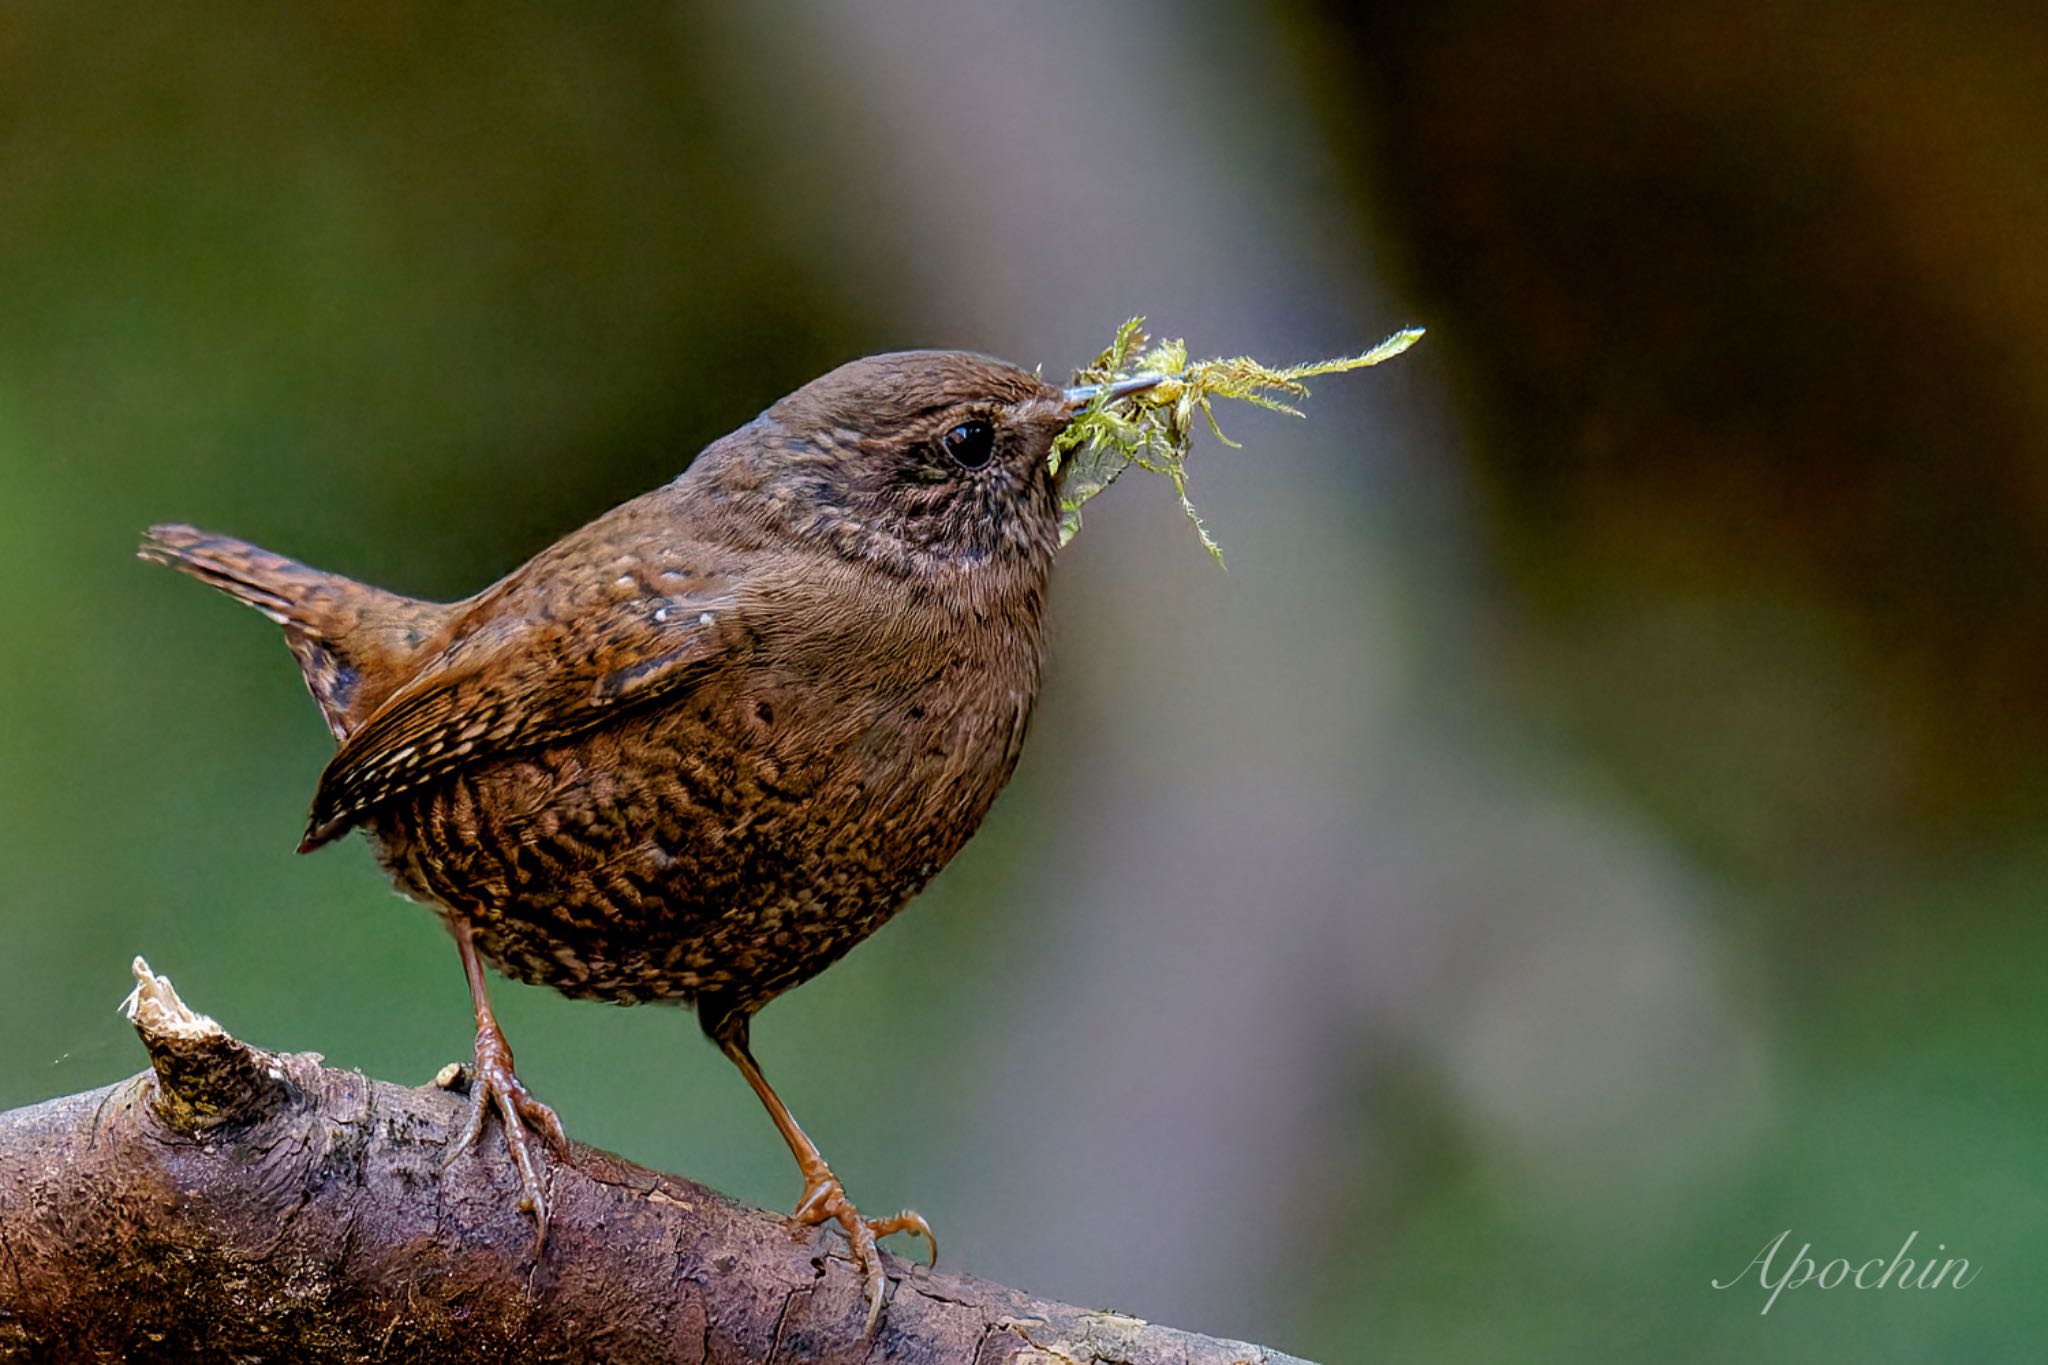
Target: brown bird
700, 748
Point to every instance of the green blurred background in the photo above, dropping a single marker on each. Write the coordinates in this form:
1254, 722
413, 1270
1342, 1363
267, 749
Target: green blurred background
1593, 827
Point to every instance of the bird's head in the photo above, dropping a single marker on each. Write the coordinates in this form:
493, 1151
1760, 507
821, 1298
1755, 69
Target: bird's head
936, 458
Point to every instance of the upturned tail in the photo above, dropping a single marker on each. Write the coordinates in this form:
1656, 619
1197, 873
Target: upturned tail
355, 643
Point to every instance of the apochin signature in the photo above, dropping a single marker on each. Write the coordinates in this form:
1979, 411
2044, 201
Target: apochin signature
1952, 1272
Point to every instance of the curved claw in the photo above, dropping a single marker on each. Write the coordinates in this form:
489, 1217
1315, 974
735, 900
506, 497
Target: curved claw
912, 1222
825, 1201
528, 1123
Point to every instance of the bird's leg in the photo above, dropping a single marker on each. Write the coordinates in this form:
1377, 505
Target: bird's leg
824, 1198
493, 1086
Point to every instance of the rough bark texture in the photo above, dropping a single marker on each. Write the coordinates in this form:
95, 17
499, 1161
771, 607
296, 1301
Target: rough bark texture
235, 1204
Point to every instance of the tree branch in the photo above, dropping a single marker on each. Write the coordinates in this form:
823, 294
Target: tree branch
233, 1203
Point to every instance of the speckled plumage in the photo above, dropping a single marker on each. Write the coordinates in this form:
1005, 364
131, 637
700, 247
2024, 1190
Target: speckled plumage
699, 748
839, 732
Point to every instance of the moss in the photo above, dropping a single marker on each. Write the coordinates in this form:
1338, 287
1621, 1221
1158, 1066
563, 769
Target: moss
1153, 428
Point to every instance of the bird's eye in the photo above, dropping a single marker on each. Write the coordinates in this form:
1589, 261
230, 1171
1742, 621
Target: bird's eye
970, 444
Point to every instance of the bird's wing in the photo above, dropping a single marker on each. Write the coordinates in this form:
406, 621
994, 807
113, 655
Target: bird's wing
525, 680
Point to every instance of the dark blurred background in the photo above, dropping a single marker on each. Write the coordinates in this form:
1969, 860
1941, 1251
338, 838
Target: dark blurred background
1593, 827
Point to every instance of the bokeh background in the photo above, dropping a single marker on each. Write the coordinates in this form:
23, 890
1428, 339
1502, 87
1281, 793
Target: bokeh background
1594, 826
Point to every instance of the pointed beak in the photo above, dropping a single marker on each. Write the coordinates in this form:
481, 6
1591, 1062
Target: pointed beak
1084, 394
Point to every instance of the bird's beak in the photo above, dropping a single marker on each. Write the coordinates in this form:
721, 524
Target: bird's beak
1082, 395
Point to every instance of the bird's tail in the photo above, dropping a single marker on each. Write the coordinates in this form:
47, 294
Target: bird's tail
354, 642
288, 592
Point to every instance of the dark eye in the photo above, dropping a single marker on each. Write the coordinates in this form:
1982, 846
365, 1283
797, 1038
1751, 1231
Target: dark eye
970, 444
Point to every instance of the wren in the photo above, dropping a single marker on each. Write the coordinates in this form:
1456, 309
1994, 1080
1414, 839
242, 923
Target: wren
698, 749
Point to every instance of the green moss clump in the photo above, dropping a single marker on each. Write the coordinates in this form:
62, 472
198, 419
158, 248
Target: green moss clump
1154, 427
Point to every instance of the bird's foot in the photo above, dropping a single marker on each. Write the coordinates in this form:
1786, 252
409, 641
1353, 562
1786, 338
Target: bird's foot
825, 1201
528, 1123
